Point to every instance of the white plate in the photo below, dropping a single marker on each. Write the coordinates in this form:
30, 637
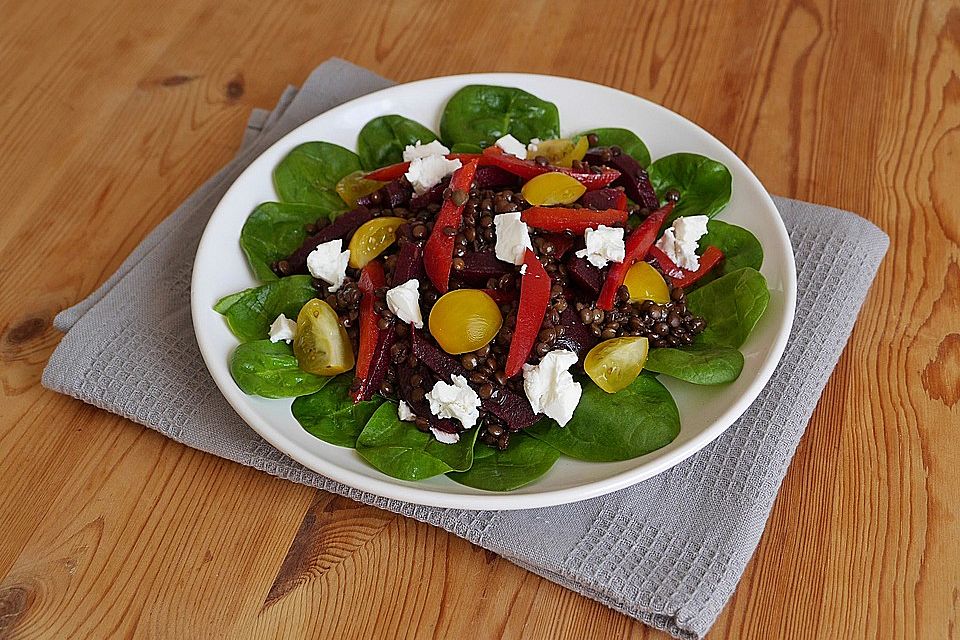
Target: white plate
705, 412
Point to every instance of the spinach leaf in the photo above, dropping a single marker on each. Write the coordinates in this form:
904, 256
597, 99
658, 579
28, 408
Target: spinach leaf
269, 369
401, 450
331, 415
627, 140
740, 249
381, 141
607, 427
275, 230
731, 306
704, 184
525, 460
480, 114
699, 365
250, 313
309, 174
466, 147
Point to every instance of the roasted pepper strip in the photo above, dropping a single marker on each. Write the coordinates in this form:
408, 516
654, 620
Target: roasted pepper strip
371, 279
638, 243
438, 252
562, 219
683, 278
527, 169
534, 298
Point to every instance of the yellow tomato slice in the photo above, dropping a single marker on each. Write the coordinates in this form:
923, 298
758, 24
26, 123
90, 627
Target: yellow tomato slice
464, 320
372, 239
354, 186
561, 152
552, 188
322, 346
614, 364
645, 283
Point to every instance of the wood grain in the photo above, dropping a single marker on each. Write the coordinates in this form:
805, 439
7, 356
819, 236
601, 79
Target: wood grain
112, 113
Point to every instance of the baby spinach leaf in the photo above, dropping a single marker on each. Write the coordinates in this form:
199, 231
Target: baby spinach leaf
310, 172
704, 184
275, 230
381, 141
525, 460
466, 147
607, 427
402, 451
627, 140
480, 114
740, 249
250, 313
269, 369
699, 365
331, 415
731, 306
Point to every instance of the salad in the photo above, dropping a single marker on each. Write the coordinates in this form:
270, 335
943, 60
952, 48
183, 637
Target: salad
479, 303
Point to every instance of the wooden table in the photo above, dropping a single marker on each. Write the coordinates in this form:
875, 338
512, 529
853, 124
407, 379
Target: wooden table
110, 117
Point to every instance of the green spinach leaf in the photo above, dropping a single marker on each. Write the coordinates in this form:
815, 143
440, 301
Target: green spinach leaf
699, 365
269, 369
627, 140
250, 313
525, 460
740, 249
402, 451
309, 174
731, 306
275, 230
331, 415
466, 147
607, 427
382, 140
704, 184
480, 114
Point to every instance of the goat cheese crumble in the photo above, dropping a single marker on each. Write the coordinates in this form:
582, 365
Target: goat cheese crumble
512, 146
680, 241
456, 401
405, 413
427, 172
419, 150
283, 328
604, 244
404, 301
550, 386
329, 264
513, 238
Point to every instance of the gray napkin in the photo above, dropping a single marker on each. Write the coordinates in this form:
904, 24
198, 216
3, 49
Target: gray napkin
668, 551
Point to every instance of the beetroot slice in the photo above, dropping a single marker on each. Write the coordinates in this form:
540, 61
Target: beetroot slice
601, 199
341, 228
480, 266
393, 194
573, 335
409, 262
488, 177
585, 274
433, 195
510, 406
378, 365
633, 178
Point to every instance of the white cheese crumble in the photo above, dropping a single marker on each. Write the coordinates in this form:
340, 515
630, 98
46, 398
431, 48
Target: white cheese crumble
283, 328
444, 437
414, 151
455, 400
425, 173
511, 145
328, 263
513, 238
550, 387
404, 301
405, 413
533, 147
680, 241
604, 244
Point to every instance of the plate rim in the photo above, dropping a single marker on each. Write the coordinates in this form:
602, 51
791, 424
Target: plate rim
391, 488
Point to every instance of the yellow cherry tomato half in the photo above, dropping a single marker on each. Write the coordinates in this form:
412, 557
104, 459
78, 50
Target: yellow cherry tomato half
614, 364
552, 188
464, 320
561, 152
372, 239
322, 346
354, 186
645, 283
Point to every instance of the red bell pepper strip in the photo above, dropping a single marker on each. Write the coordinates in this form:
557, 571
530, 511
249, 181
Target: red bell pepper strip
637, 245
438, 252
527, 169
621, 201
683, 278
534, 298
561, 219
371, 278
394, 171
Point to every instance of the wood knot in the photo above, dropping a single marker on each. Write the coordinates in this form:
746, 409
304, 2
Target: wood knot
14, 602
235, 87
941, 378
26, 330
